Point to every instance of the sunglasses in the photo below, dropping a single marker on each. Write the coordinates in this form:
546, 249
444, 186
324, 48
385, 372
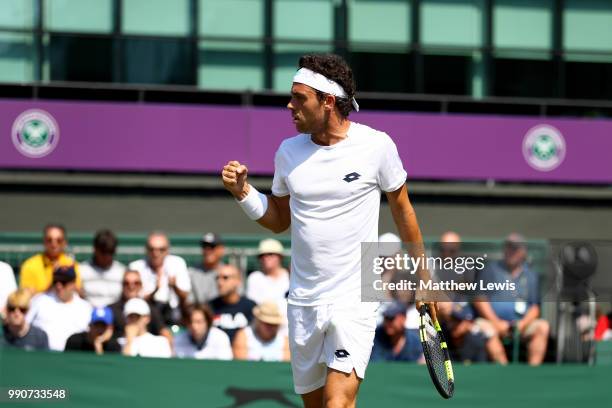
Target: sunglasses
23, 310
130, 283
223, 277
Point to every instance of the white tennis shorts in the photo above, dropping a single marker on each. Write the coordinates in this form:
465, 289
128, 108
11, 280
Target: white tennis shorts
339, 336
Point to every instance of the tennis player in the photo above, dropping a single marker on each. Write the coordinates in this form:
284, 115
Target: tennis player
327, 186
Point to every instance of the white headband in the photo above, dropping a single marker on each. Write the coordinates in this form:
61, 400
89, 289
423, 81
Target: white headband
321, 83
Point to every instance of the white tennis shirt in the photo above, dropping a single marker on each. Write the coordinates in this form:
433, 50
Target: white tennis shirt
335, 200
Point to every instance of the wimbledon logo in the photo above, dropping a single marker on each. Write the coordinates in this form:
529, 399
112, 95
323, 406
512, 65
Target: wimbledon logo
544, 147
35, 133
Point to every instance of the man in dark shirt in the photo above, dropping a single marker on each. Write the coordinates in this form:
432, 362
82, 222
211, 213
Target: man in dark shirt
16, 331
231, 311
393, 342
99, 338
132, 286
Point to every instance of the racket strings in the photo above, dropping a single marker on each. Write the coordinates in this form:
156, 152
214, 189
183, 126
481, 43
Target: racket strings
436, 353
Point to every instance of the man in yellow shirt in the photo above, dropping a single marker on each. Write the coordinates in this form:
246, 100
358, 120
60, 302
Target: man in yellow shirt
37, 272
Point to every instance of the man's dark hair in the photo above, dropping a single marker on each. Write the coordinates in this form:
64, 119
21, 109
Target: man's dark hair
105, 241
333, 67
52, 226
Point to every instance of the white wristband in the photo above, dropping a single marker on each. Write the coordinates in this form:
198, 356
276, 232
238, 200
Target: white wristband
254, 204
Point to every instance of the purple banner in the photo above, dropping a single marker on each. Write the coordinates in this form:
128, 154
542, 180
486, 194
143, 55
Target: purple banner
201, 139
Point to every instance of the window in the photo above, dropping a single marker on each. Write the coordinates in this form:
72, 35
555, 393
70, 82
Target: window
452, 23
588, 25
158, 61
235, 66
446, 74
520, 77
156, 17
375, 22
80, 59
519, 24
383, 72
16, 57
588, 80
17, 13
304, 19
88, 16
232, 18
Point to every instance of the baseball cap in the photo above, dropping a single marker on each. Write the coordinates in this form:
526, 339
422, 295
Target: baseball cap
210, 239
395, 308
64, 274
102, 314
136, 306
270, 246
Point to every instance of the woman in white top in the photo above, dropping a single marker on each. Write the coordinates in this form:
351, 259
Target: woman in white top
263, 341
202, 340
272, 282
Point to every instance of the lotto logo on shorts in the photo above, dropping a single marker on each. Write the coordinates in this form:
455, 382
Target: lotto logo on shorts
341, 353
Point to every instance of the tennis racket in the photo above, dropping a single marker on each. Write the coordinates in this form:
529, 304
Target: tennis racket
436, 353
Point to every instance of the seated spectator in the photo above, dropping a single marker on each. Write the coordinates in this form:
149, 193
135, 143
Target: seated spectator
231, 311
164, 277
392, 341
16, 331
523, 311
471, 338
60, 311
202, 340
102, 275
99, 338
272, 282
138, 341
203, 284
7, 285
37, 272
132, 286
263, 341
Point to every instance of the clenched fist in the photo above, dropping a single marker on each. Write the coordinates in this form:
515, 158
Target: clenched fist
234, 177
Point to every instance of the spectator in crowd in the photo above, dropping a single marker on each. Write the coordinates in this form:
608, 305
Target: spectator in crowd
37, 272
17, 332
132, 287
471, 338
60, 311
102, 274
99, 338
202, 340
272, 282
138, 341
203, 284
231, 310
392, 341
164, 277
7, 285
519, 309
263, 341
